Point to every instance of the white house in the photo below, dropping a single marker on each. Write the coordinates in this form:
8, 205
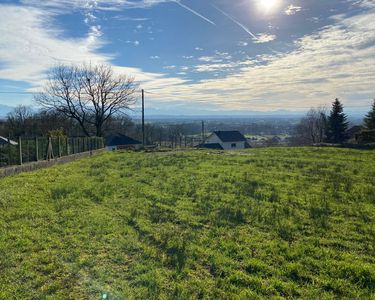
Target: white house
225, 140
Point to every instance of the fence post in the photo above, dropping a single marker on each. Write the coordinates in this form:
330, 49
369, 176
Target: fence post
20, 150
59, 146
36, 149
9, 152
49, 155
67, 146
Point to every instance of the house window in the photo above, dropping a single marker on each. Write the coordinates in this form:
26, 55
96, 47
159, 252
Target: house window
234, 145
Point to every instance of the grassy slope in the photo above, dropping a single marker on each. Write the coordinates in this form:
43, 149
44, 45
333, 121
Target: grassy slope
261, 223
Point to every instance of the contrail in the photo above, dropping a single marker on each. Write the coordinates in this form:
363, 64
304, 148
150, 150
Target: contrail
194, 12
236, 22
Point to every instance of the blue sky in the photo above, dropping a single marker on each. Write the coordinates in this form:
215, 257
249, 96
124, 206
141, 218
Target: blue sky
199, 57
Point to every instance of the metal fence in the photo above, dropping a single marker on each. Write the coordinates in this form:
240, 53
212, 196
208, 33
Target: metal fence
24, 150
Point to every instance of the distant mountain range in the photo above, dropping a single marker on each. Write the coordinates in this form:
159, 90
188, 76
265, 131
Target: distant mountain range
156, 115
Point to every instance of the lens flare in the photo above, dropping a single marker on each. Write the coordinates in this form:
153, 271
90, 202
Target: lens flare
268, 6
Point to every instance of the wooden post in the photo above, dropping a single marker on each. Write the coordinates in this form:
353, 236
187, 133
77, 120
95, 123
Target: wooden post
90, 144
9, 152
49, 155
59, 146
20, 150
67, 146
36, 149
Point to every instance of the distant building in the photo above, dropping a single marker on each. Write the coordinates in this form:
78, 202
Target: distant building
122, 142
4, 141
225, 140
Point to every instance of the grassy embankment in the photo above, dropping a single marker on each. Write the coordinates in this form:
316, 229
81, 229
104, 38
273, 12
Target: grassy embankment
257, 223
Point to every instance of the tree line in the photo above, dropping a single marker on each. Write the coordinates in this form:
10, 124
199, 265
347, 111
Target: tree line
321, 126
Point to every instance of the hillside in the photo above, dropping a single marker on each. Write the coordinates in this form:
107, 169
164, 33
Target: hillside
261, 223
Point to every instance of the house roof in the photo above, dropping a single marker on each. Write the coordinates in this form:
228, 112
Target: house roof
121, 140
214, 146
230, 136
4, 141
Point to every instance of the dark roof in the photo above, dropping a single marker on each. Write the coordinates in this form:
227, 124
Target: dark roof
230, 136
121, 140
215, 146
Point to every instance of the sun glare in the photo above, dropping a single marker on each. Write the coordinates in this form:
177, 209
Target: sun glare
267, 6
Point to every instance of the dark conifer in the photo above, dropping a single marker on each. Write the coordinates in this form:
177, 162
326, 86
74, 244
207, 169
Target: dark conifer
337, 123
370, 119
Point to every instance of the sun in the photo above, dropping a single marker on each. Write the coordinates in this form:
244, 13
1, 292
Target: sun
268, 6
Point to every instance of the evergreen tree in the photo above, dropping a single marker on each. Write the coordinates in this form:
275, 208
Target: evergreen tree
337, 123
370, 119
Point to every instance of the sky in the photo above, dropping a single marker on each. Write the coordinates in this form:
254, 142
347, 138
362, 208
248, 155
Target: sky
199, 56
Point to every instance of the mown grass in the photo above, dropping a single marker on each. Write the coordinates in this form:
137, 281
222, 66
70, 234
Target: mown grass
260, 223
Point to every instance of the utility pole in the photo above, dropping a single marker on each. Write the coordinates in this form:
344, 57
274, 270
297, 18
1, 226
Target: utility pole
143, 117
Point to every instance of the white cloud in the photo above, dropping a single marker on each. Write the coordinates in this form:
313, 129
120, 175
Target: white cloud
210, 59
336, 61
135, 43
365, 3
292, 9
214, 67
264, 38
28, 48
64, 5
30, 45
124, 18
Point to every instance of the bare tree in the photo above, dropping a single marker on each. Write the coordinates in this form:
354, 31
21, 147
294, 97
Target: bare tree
313, 127
19, 121
88, 94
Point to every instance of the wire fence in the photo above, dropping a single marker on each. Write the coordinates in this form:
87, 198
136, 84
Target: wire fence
25, 150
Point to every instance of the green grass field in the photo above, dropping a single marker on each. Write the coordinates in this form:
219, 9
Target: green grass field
261, 223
